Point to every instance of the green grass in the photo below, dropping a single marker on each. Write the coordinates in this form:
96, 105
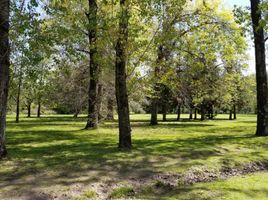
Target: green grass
56, 151
90, 194
250, 187
122, 192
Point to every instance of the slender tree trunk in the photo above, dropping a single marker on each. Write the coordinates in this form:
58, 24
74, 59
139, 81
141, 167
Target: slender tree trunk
202, 113
110, 108
164, 107
154, 103
234, 110
231, 115
39, 108
261, 74
29, 109
92, 121
211, 111
154, 112
195, 113
120, 76
100, 94
191, 113
76, 113
18, 98
179, 113
4, 71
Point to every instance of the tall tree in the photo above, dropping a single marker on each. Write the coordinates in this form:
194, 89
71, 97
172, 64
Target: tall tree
261, 74
4, 70
92, 121
120, 76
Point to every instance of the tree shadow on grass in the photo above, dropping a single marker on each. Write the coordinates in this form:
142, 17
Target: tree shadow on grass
68, 157
202, 192
161, 125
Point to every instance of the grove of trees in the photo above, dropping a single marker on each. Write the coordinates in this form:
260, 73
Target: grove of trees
161, 56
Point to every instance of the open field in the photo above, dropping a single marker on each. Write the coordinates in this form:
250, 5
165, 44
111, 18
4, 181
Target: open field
54, 158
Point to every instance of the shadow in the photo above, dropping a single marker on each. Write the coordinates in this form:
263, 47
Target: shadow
161, 125
55, 151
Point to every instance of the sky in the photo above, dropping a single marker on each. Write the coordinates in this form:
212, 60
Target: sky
237, 2
251, 51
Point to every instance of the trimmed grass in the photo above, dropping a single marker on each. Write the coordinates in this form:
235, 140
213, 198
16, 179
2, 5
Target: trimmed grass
55, 151
122, 192
250, 187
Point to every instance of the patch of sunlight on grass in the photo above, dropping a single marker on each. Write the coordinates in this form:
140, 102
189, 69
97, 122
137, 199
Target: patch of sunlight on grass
254, 186
56, 144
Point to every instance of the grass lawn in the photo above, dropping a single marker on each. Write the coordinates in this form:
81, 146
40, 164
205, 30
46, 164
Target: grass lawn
250, 187
54, 158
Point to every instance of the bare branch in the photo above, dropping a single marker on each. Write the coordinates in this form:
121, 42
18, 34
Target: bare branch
82, 50
22, 6
265, 39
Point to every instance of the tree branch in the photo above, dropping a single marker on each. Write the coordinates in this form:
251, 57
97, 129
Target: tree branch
265, 39
82, 50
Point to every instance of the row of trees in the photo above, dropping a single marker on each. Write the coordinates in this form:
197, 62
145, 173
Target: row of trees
154, 56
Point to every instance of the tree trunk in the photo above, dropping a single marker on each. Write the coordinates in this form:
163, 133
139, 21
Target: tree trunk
76, 113
195, 113
154, 103
261, 74
121, 82
234, 110
154, 112
29, 109
110, 108
100, 94
191, 113
4, 71
231, 115
202, 113
211, 111
39, 109
179, 113
18, 98
92, 121
164, 107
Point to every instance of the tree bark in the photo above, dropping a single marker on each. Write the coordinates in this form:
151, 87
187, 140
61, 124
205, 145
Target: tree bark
164, 107
18, 98
202, 113
100, 94
120, 76
195, 113
234, 110
39, 109
231, 115
4, 71
110, 108
154, 112
211, 111
154, 103
261, 74
179, 113
191, 113
29, 109
92, 121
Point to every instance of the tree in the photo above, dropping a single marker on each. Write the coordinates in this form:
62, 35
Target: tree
4, 70
261, 73
92, 121
120, 76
